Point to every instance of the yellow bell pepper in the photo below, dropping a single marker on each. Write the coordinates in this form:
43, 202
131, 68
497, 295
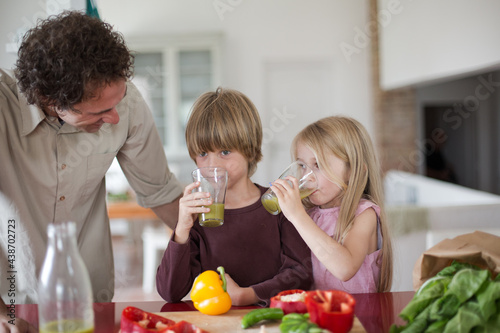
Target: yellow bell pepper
209, 293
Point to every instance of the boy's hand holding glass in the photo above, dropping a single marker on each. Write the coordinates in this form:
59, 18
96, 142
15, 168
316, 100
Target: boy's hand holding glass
305, 180
190, 205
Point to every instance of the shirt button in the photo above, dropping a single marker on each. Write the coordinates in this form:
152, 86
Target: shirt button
63, 166
62, 198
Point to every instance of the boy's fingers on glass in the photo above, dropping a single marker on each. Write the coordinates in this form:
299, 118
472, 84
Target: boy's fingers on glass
203, 195
207, 202
200, 199
191, 187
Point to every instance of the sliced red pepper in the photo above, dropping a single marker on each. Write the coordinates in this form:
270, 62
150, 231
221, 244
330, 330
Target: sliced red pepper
135, 320
331, 309
289, 306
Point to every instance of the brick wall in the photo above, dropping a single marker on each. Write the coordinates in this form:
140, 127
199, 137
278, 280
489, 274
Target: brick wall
394, 115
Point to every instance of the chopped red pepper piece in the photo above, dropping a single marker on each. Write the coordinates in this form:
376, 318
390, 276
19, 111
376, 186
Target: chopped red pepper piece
331, 309
289, 306
135, 320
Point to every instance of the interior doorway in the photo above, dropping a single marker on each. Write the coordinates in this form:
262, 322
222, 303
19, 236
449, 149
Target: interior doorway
466, 112
450, 142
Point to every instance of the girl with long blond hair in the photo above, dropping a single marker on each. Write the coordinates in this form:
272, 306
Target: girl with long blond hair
344, 225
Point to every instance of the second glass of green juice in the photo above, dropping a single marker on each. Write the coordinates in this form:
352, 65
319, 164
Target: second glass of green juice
214, 181
307, 185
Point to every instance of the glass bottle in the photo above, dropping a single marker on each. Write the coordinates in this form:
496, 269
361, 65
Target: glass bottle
65, 301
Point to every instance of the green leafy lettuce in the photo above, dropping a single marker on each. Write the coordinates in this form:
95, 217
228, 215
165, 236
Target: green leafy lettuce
460, 298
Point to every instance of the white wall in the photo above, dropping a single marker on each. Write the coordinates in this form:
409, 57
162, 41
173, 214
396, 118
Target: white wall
429, 40
16, 17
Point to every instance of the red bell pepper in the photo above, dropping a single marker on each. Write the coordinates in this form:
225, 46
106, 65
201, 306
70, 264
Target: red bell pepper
135, 320
289, 306
331, 309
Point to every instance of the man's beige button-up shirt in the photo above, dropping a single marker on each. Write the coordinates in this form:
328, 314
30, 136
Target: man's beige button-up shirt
55, 173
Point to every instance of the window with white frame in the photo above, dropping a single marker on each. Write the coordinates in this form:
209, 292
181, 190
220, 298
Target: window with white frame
171, 73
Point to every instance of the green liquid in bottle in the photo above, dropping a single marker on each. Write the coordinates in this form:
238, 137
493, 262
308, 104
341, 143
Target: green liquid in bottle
66, 326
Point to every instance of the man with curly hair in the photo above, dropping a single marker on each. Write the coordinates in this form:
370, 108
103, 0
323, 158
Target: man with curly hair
65, 114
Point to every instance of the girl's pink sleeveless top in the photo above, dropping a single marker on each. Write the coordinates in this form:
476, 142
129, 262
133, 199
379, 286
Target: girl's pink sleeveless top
367, 278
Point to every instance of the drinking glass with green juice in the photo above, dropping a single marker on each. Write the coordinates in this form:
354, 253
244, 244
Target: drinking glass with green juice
214, 181
307, 185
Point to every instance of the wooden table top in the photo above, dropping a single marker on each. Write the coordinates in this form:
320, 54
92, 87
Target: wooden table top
129, 210
376, 312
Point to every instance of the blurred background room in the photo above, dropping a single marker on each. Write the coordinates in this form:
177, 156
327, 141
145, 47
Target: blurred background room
422, 76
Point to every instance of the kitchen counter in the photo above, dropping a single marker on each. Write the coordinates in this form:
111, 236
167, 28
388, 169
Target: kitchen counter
422, 212
376, 312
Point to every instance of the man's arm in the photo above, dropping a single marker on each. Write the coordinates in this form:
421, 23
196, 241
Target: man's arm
168, 213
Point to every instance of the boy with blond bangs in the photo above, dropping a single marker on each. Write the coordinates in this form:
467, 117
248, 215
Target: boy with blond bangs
262, 253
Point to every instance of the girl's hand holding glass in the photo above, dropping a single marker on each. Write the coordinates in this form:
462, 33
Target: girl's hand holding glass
289, 196
306, 184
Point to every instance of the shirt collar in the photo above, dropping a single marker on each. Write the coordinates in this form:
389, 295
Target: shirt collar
30, 114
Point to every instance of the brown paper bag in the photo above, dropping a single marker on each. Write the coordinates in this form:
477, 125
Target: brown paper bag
478, 248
